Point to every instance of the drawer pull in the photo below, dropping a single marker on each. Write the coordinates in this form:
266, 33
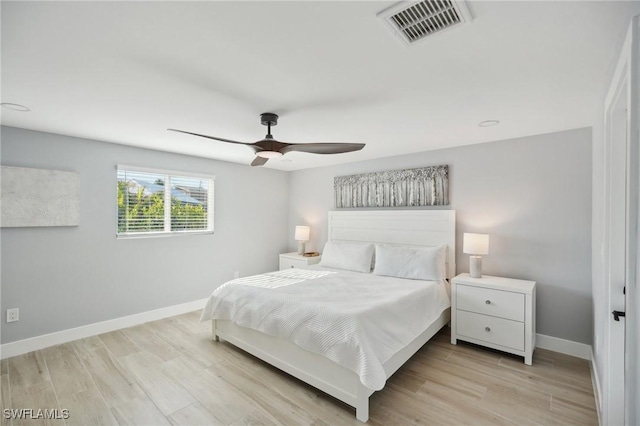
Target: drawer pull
487, 329
488, 302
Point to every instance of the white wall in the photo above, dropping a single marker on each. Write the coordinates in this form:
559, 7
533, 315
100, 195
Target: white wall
532, 195
65, 277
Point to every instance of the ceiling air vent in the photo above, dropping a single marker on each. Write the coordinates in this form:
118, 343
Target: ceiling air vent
414, 21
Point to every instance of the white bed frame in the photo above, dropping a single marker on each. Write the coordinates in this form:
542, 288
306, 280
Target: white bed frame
406, 227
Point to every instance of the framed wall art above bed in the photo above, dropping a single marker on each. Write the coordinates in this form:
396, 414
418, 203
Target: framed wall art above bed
425, 186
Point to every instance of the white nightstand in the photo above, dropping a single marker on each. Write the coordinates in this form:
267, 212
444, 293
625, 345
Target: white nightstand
499, 313
295, 260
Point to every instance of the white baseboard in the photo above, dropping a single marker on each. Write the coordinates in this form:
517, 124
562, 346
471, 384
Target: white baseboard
597, 391
39, 342
567, 347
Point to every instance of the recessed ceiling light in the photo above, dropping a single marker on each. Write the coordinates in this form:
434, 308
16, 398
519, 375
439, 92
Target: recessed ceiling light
15, 107
488, 123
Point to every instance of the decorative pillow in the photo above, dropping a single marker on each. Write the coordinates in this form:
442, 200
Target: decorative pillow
415, 263
350, 256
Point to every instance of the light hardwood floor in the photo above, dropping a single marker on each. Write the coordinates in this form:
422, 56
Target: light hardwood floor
170, 372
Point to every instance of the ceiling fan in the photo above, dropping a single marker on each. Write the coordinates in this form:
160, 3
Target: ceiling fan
270, 148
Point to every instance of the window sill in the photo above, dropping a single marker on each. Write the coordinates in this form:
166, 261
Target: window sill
160, 234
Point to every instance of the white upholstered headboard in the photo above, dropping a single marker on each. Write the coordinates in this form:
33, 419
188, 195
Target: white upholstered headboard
405, 227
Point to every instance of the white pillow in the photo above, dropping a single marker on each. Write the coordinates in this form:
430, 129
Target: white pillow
415, 263
350, 256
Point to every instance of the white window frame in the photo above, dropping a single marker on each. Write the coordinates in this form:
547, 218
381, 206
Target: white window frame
167, 202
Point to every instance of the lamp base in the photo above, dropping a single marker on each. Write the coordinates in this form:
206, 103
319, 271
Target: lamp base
301, 247
475, 266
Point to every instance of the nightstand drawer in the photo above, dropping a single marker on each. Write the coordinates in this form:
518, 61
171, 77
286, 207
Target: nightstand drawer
497, 303
286, 263
498, 331
295, 260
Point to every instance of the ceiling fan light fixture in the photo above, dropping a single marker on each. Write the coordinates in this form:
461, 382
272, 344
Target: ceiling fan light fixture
269, 154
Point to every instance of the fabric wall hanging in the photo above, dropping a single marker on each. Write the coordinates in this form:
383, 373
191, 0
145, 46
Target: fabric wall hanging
38, 197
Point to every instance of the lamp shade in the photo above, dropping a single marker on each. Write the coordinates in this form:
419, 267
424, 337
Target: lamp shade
475, 243
302, 233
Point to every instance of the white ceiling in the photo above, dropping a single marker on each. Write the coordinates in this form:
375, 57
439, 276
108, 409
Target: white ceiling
123, 72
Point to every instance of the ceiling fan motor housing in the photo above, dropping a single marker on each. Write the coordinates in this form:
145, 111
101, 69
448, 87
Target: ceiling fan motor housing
269, 119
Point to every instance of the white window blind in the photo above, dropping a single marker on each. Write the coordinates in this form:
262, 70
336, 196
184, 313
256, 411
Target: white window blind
156, 202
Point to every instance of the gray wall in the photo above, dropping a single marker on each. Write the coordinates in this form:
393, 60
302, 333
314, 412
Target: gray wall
65, 277
532, 195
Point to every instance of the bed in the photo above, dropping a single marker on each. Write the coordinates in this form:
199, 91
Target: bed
352, 382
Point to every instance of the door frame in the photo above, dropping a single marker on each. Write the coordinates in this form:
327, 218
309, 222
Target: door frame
619, 405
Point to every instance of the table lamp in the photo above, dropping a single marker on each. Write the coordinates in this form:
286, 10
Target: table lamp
302, 235
475, 245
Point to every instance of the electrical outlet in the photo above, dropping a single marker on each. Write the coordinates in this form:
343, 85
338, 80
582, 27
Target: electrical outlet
236, 275
13, 314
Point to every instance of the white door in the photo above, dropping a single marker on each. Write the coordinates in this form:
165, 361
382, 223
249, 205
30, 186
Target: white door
632, 333
622, 148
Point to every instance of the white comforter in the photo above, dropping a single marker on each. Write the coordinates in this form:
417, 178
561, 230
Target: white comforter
357, 320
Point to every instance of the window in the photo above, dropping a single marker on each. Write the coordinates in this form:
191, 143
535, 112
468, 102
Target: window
156, 202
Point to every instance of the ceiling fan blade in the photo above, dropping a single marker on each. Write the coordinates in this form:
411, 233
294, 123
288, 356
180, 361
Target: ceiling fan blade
211, 137
322, 147
259, 161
